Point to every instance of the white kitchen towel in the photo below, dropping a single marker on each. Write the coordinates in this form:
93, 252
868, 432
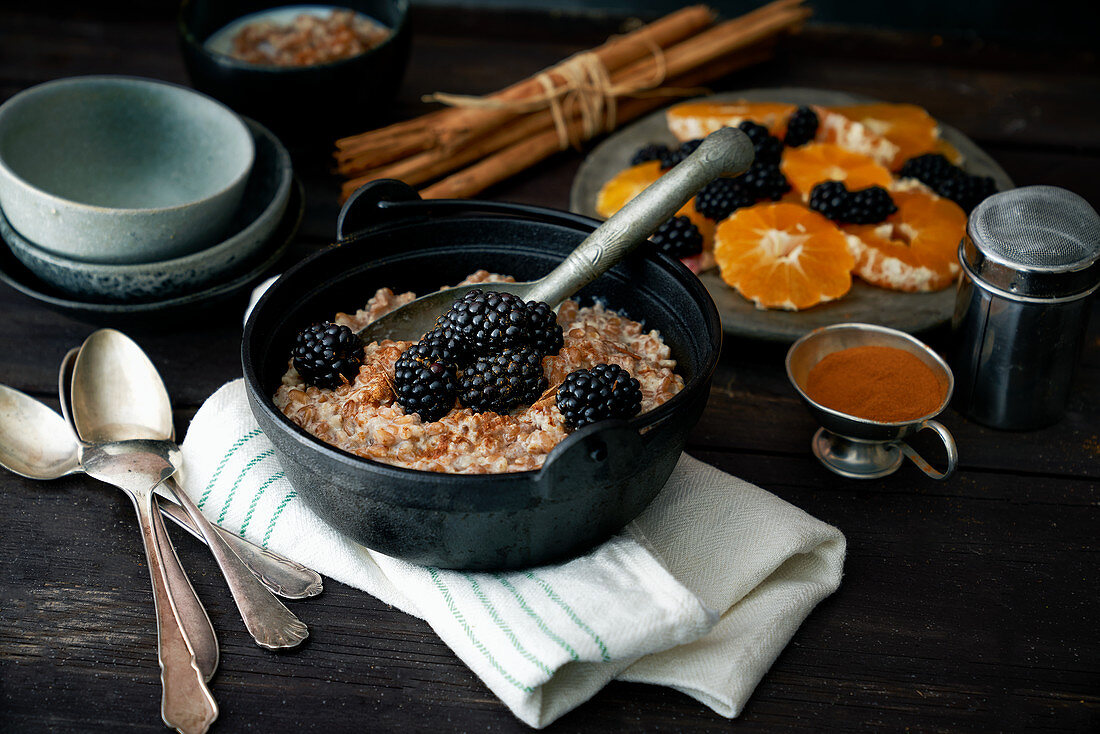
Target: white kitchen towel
700, 593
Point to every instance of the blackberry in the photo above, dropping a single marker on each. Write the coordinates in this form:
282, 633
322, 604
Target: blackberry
830, 198
801, 127
423, 385
678, 237
327, 354
869, 206
500, 382
765, 181
767, 147
488, 321
650, 152
603, 392
757, 133
672, 157
445, 345
967, 191
930, 169
718, 199
865, 206
948, 180
546, 334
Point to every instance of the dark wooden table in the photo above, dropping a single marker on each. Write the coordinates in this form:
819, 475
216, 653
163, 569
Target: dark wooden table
967, 605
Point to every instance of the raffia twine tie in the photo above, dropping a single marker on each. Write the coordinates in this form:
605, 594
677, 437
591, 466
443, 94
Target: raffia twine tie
586, 90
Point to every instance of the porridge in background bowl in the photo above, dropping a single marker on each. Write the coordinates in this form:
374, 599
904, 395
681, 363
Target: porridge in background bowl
362, 416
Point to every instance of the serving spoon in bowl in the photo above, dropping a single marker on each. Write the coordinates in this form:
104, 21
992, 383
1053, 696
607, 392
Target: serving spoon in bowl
117, 397
725, 152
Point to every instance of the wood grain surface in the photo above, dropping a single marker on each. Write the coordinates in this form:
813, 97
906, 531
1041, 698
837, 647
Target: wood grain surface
967, 605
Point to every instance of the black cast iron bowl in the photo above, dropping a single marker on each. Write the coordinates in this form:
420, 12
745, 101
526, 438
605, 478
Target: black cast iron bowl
593, 483
301, 104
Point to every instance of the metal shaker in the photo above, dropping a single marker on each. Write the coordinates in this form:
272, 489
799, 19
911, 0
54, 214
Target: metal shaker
1030, 262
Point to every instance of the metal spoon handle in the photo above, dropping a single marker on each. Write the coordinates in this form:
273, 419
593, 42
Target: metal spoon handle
186, 703
287, 578
724, 152
268, 620
189, 610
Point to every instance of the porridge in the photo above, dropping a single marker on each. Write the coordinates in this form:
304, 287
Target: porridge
363, 415
305, 39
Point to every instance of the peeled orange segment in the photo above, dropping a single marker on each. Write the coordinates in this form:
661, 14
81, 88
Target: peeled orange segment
625, 185
630, 182
907, 126
811, 164
915, 249
853, 136
692, 120
698, 119
781, 255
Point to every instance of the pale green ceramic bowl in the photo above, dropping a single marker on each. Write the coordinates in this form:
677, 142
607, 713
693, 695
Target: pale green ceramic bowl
261, 209
113, 169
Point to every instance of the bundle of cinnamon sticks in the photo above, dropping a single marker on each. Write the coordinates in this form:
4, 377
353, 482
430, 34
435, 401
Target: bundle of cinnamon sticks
463, 149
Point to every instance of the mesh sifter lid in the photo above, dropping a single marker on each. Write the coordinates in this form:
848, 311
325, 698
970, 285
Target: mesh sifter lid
1034, 241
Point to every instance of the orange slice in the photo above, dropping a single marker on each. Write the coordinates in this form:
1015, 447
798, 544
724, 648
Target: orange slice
853, 136
907, 126
950, 152
915, 249
809, 165
630, 182
692, 120
781, 255
698, 119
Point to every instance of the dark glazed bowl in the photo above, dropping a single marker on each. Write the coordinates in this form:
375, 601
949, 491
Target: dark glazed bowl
312, 104
592, 484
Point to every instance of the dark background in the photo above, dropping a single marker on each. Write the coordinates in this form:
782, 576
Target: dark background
1002, 19
1026, 21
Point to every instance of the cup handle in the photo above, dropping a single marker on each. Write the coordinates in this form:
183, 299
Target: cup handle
948, 443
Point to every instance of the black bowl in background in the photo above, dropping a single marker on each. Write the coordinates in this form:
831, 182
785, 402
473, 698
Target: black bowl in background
592, 484
313, 104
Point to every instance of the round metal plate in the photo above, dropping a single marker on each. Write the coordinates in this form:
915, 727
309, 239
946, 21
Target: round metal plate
909, 312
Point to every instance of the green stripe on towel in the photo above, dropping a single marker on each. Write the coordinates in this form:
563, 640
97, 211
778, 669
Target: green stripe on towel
434, 572
225, 460
503, 626
256, 498
534, 615
240, 477
568, 610
278, 511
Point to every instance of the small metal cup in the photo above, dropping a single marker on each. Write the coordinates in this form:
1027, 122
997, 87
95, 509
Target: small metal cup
857, 447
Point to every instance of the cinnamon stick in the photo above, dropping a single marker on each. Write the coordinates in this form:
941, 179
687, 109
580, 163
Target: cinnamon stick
522, 155
701, 50
450, 125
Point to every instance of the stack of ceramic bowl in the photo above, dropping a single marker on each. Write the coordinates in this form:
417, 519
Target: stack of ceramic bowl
122, 195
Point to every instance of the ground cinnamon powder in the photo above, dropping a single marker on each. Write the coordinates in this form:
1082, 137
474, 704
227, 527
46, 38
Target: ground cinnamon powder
877, 383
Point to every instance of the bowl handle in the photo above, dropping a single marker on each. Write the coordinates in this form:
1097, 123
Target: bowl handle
384, 202
949, 444
600, 454
360, 211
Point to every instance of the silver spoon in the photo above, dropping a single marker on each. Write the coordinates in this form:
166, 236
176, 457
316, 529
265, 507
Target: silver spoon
35, 442
186, 703
726, 152
283, 576
118, 395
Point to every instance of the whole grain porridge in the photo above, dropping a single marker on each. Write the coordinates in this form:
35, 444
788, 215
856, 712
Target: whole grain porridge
364, 418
